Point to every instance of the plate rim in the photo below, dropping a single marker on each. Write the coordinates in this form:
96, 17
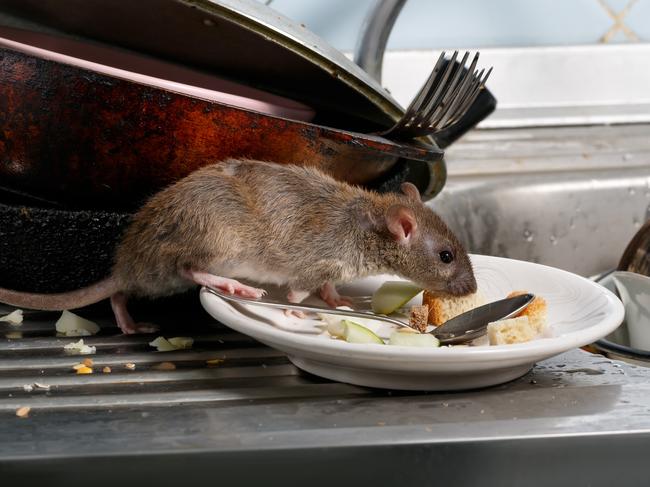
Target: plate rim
542, 347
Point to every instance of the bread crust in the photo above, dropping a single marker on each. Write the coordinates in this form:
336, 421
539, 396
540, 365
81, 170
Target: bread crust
443, 308
536, 311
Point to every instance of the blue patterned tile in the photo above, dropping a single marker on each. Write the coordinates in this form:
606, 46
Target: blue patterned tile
471, 23
618, 37
475, 23
617, 5
639, 20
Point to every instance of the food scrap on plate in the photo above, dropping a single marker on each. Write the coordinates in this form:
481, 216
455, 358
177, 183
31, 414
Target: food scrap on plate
433, 311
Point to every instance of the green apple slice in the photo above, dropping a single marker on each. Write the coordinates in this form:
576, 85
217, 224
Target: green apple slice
393, 295
403, 339
355, 333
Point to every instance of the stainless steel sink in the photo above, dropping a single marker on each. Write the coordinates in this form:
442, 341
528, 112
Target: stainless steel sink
568, 197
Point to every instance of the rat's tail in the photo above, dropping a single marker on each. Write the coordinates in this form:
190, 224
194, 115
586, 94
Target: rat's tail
60, 301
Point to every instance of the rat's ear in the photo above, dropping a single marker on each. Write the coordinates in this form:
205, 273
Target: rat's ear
400, 221
411, 191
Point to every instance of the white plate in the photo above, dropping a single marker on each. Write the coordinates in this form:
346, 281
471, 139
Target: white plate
579, 312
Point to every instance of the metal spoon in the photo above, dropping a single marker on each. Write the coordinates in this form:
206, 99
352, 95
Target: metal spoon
463, 328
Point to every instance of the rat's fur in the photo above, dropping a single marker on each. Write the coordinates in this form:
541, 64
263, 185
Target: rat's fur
277, 224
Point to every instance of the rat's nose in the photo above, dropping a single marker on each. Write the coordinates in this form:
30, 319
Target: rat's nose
461, 286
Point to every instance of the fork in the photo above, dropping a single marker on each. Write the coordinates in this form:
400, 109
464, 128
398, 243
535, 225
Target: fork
446, 96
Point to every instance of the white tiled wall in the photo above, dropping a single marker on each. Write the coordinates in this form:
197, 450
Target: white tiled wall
434, 24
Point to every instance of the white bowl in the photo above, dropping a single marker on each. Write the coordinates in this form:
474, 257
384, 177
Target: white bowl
634, 290
579, 313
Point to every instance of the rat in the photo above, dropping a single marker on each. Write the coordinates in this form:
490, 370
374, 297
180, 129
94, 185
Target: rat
270, 224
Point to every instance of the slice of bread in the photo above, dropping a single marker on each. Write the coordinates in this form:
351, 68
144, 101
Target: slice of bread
443, 308
419, 318
513, 330
535, 311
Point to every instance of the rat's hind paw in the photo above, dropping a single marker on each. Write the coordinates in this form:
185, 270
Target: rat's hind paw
143, 328
136, 328
249, 292
225, 284
124, 320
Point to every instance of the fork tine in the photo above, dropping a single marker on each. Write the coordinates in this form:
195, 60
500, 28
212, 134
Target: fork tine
469, 96
446, 97
475, 85
416, 104
426, 88
480, 84
458, 95
464, 98
435, 94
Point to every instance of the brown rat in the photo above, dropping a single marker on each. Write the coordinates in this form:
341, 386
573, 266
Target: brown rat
270, 224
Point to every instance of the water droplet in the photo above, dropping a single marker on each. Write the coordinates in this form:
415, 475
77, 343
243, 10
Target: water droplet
636, 222
528, 235
572, 224
632, 191
627, 156
553, 239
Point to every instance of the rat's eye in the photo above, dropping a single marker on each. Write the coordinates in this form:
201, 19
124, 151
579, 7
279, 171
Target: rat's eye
446, 256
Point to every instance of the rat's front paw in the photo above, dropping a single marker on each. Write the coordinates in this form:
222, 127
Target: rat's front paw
330, 295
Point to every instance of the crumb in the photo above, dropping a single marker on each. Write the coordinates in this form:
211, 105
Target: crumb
510, 331
45, 387
164, 366
106, 370
419, 317
14, 318
79, 348
23, 412
84, 370
130, 366
88, 362
28, 388
215, 361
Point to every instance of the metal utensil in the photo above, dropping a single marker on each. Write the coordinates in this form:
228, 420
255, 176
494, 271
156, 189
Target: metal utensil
473, 323
463, 328
446, 96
